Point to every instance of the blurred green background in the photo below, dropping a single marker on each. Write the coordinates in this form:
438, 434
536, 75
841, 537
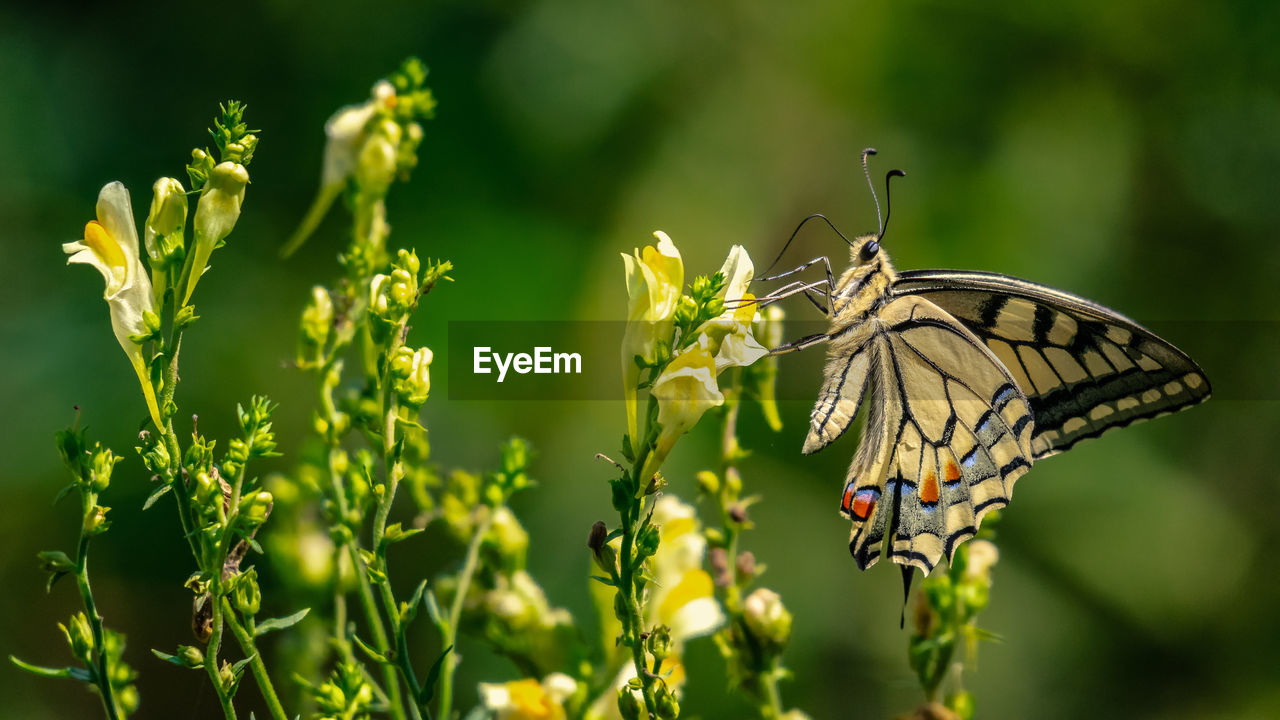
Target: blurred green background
1123, 151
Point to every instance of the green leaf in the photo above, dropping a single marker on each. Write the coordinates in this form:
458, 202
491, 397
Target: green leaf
239, 666
373, 655
604, 580
74, 673
156, 495
53, 578
411, 608
433, 608
428, 690
64, 492
280, 623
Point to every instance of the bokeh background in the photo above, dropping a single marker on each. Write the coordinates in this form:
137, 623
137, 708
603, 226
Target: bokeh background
1124, 151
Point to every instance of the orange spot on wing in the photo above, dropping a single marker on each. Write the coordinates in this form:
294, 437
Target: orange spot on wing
953, 472
846, 503
929, 488
863, 505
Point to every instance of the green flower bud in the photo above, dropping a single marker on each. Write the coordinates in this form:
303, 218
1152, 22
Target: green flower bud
647, 543
95, 520
216, 214
660, 642
166, 224
668, 706
247, 596
376, 161
414, 385
767, 618
79, 636
508, 538
226, 677
55, 561
255, 508
629, 706
100, 467
708, 482
621, 611
317, 317
205, 488
193, 657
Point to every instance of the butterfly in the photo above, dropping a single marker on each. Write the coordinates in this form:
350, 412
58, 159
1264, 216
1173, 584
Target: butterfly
970, 378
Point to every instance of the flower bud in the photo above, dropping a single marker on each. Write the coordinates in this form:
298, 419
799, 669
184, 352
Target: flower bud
629, 706
255, 508
55, 561
317, 317
660, 642
982, 556
216, 214
79, 636
101, 464
746, 567
647, 543
193, 657
767, 618
668, 706
95, 520
166, 225
708, 482
247, 596
415, 385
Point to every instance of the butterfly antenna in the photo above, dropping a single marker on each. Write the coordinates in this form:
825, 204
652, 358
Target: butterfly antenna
866, 170
888, 204
818, 216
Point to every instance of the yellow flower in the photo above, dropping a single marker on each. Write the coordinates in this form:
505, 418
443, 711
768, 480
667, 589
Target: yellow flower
529, 699
655, 278
110, 244
345, 136
728, 336
685, 390
216, 214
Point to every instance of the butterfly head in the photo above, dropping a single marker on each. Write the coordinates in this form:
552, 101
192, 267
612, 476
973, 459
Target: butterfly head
865, 250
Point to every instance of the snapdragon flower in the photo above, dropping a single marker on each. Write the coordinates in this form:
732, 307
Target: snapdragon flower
655, 279
529, 699
216, 214
110, 245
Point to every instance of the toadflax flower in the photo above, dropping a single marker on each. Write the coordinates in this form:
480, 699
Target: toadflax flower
163, 231
529, 699
655, 278
110, 245
685, 390
346, 134
728, 336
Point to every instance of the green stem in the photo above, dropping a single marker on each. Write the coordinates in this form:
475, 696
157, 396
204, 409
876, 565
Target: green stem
256, 665
626, 586
450, 631
365, 592
772, 709
211, 655
103, 677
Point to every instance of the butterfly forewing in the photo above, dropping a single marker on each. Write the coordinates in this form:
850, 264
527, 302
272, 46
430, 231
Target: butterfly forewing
1084, 368
947, 434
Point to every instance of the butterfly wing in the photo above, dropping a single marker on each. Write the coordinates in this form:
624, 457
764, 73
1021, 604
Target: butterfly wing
1084, 368
947, 434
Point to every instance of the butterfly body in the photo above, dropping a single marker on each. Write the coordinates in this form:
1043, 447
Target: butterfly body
969, 379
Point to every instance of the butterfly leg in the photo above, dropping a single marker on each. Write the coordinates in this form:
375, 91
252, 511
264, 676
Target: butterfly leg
801, 344
831, 278
786, 291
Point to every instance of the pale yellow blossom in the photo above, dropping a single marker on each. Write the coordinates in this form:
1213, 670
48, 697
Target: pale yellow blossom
216, 214
110, 245
655, 279
529, 699
685, 390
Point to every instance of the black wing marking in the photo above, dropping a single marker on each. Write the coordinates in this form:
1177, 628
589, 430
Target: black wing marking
1084, 368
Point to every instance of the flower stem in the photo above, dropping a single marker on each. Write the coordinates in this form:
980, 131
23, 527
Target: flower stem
211, 657
101, 674
449, 632
256, 665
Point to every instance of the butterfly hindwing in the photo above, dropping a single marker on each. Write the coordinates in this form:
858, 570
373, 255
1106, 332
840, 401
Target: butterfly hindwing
947, 434
1084, 368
